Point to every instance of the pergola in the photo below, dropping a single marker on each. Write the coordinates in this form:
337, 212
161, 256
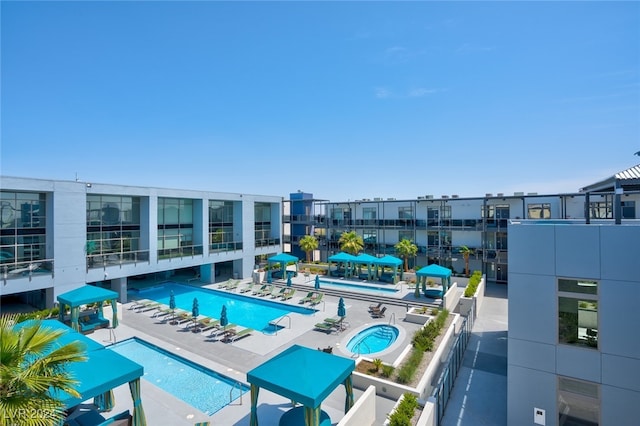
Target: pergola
103, 370
306, 376
283, 259
83, 296
392, 262
366, 259
437, 271
344, 258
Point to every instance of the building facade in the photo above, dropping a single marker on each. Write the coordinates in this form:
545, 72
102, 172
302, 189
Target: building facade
573, 345
58, 235
441, 226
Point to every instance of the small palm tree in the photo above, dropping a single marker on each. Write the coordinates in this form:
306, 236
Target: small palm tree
351, 242
31, 366
466, 252
308, 244
406, 249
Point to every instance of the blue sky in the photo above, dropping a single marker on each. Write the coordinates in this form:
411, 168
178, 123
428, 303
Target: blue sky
345, 100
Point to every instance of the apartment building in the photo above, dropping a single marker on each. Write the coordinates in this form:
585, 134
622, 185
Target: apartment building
58, 235
439, 226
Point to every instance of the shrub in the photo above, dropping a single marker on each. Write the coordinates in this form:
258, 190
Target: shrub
377, 363
387, 370
404, 411
473, 284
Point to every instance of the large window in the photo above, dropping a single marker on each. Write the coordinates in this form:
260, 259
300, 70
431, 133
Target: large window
221, 226
405, 235
113, 229
405, 212
600, 210
263, 224
22, 227
175, 227
628, 209
578, 402
578, 312
539, 211
369, 213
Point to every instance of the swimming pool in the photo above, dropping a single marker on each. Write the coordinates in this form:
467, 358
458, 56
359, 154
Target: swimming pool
358, 287
251, 312
194, 384
373, 339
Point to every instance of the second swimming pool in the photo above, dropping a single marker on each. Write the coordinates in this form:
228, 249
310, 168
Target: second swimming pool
347, 285
251, 312
200, 387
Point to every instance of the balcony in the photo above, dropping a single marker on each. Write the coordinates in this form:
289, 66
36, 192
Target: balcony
31, 268
266, 242
180, 252
95, 261
224, 247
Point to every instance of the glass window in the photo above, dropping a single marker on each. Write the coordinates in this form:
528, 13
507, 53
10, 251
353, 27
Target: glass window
488, 211
539, 211
405, 213
433, 213
23, 223
368, 212
578, 312
369, 236
600, 210
405, 235
578, 402
628, 209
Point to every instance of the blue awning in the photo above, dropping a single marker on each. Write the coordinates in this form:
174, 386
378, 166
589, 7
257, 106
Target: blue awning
282, 258
85, 295
342, 257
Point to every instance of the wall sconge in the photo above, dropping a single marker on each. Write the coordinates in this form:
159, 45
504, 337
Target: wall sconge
88, 185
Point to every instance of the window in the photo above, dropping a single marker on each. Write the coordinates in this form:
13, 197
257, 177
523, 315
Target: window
628, 209
221, 225
262, 226
600, 210
578, 312
370, 236
405, 213
23, 223
369, 213
487, 211
578, 402
539, 211
405, 235
175, 226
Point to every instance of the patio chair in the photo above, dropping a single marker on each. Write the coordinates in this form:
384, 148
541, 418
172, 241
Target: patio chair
208, 323
257, 291
247, 288
266, 291
278, 292
218, 329
308, 297
239, 335
225, 284
149, 307
375, 307
233, 285
288, 294
380, 313
337, 322
323, 326
317, 299
139, 304
161, 311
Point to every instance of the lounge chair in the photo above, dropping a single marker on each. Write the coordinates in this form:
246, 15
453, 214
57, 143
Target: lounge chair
149, 307
338, 322
140, 304
317, 299
233, 285
208, 324
161, 311
375, 307
233, 336
247, 288
266, 291
181, 316
278, 292
225, 284
257, 291
323, 326
380, 313
288, 293
308, 297
218, 329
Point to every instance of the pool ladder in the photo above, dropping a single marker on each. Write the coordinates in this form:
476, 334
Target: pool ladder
362, 342
235, 385
392, 317
275, 324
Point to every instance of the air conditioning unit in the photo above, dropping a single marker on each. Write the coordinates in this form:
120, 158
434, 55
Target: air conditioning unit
420, 198
499, 194
454, 196
429, 197
445, 196
391, 199
532, 193
488, 194
366, 199
377, 199
518, 194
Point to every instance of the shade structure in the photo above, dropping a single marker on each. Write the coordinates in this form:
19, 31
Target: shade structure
322, 373
316, 285
103, 370
195, 308
344, 258
436, 271
83, 296
366, 259
342, 310
283, 259
391, 262
224, 321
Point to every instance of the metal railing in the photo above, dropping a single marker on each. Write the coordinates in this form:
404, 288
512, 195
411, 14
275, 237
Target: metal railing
30, 268
96, 261
442, 389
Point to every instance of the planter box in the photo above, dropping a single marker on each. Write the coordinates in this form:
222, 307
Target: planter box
466, 303
414, 316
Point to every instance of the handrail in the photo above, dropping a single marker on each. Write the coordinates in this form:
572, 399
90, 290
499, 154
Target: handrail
239, 385
392, 317
360, 343
275, 324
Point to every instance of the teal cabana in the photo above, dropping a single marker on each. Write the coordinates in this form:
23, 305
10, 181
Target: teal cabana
283, 259
366, 259
306, 376
436, 271
103, 371
342, 258
390, 262
83, 296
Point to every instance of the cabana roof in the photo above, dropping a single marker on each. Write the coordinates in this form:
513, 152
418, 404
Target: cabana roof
434, 270
389, 261
302, 374
366, 258
85, 295
342, 257
103, 370
282, 258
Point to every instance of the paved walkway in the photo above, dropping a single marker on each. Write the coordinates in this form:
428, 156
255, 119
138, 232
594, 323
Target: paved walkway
479, 396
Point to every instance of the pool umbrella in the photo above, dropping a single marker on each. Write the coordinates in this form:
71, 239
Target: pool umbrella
172, 304
342, 311
269, 280
224, 321
288, 280
317, 285
195, 310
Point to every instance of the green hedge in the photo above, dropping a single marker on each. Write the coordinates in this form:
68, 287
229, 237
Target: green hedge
404, 411
473, 284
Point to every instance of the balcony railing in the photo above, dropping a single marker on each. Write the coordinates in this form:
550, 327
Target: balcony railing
179, 252
222, 247
30, 268
96, 261
268, 242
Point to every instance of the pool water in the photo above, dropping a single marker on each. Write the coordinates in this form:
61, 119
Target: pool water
373, 339
194, 384
358, 287
250, 312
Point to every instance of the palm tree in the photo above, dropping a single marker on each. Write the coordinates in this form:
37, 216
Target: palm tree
351, 242
406, 249
308, 244
466, 252
32, 365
